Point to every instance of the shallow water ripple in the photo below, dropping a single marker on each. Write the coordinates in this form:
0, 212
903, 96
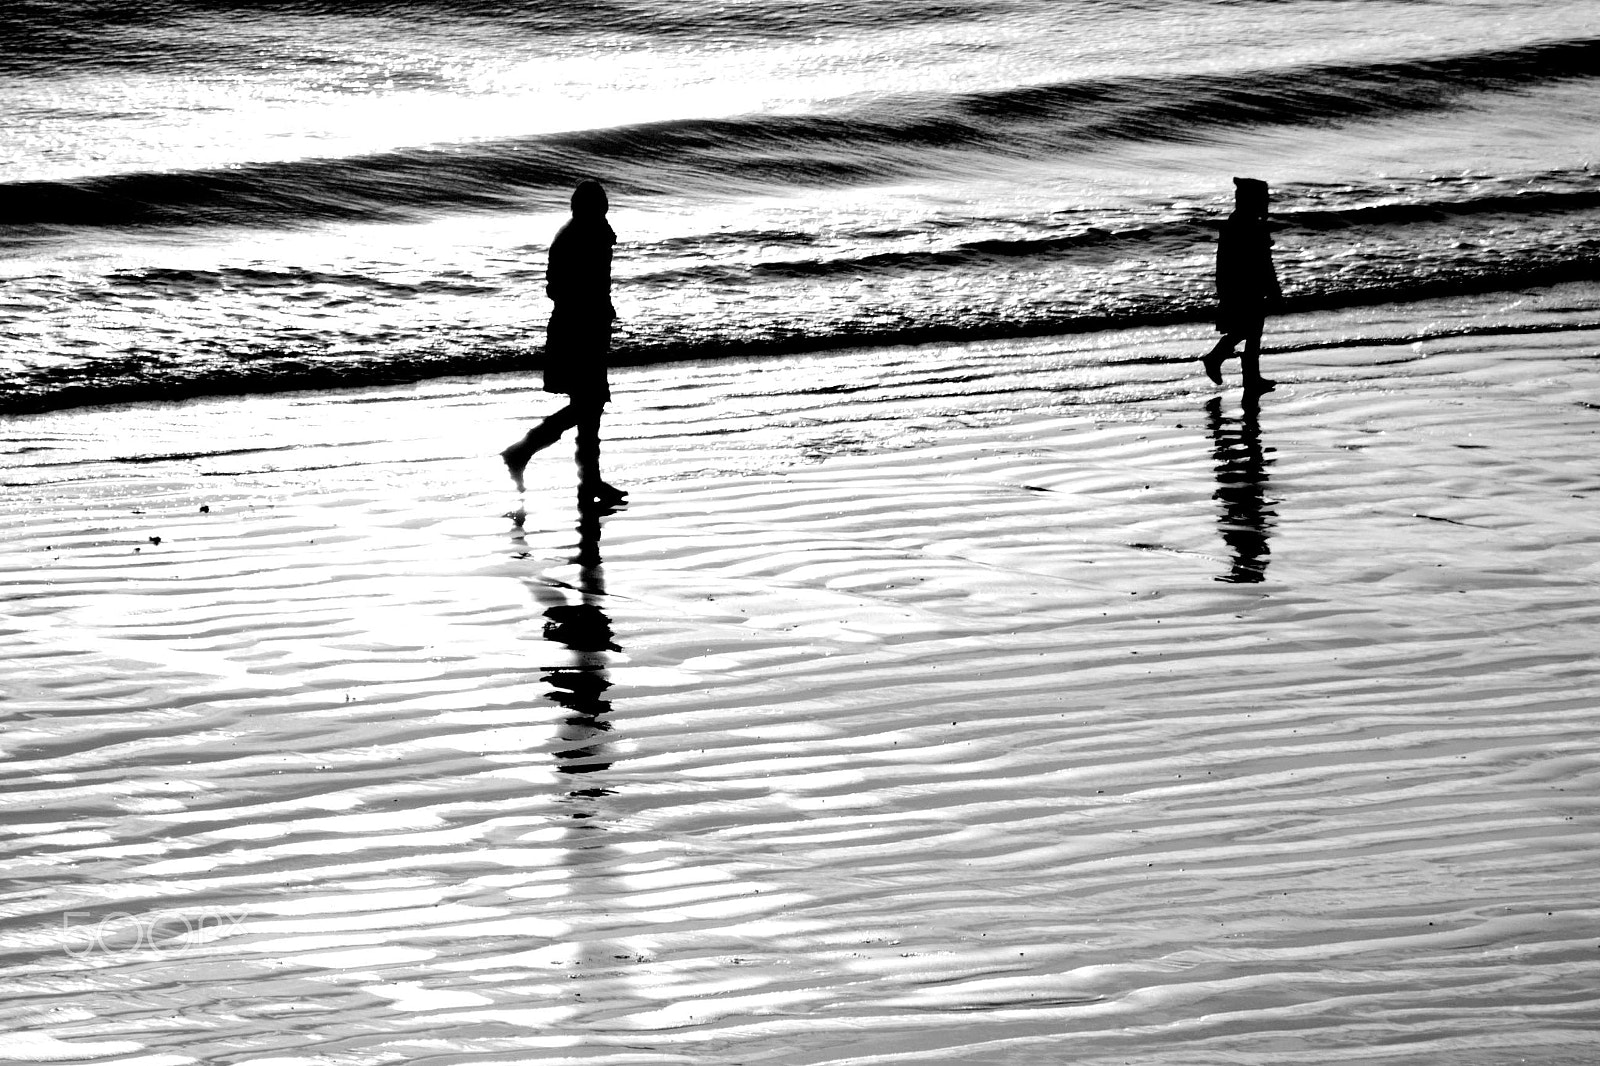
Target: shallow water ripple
1004, 713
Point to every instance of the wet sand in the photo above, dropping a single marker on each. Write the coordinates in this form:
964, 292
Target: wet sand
1023, 703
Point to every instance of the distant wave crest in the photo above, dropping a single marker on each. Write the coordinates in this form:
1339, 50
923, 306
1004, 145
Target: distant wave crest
884, 140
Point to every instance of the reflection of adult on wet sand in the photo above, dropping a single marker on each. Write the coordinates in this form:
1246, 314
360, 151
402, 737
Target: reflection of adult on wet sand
578, 282
1247, 285
1241, 471
580, 686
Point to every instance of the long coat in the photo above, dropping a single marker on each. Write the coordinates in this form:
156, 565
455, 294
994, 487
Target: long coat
1247, 282
578, 282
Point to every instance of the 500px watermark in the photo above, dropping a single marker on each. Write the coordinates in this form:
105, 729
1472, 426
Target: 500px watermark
164, 932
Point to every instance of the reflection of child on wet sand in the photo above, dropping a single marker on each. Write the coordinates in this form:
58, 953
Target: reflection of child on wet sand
578, 282
1247, 285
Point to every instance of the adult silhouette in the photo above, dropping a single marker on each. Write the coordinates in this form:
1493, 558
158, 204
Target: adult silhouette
1247, 285
577, 343
1241, 471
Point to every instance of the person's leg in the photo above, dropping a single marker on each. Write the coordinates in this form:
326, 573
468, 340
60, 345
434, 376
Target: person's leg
591, 489
588, 450
538, 438
1250, 364
1212, 360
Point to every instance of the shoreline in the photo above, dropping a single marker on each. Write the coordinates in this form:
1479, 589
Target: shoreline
301, 372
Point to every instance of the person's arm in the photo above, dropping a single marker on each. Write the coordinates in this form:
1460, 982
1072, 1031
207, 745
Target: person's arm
558, 271
579, 275
1273, 288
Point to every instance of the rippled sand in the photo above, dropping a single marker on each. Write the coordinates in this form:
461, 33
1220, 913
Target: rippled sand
1000, 704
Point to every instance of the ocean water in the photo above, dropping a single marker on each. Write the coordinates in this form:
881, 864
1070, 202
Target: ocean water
246, 196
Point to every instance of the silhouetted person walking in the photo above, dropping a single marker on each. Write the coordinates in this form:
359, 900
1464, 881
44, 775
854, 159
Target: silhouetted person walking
1247, 285
577, 341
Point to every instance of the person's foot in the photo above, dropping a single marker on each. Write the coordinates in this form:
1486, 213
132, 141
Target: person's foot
538, 439
516, 458
1259, 386
1212, 361
602, 496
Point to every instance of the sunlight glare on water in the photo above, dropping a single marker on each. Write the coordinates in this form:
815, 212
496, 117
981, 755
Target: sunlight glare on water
354, 85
